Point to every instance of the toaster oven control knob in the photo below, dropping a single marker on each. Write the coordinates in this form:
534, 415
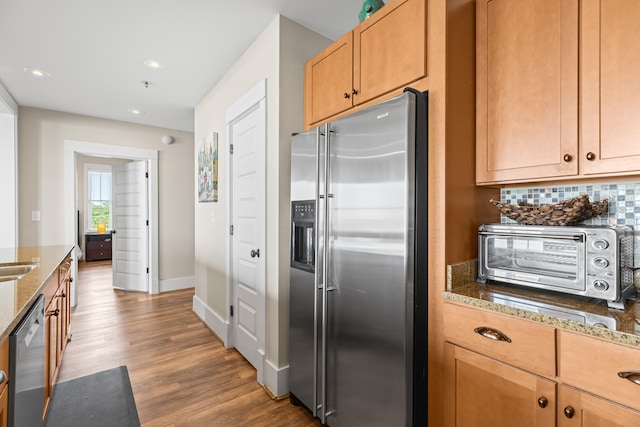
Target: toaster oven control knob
601, 262
600, 285
600, 244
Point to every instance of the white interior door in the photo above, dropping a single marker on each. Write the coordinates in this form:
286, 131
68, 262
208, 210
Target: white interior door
130, 225
247, 137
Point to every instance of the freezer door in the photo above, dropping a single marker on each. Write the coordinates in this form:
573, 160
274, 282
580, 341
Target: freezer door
303, 298
370, 213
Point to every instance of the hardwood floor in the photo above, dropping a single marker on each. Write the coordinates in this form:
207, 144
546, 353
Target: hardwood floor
180, 372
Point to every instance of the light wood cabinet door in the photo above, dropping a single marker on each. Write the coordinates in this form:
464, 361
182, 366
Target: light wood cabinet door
610, 86
4, 393
580, 409
4, 406
527, 89
390, 49
328, 80
483, 392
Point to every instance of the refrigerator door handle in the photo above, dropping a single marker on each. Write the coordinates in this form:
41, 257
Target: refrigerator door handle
325, 277
317, 276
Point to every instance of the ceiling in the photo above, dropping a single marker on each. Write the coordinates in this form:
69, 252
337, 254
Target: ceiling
94, 51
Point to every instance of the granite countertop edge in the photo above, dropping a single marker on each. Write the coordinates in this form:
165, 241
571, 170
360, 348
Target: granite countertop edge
599, 332
63, 250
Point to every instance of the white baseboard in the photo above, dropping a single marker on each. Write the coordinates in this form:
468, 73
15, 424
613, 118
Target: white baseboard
216, 323
177, 284
276, 379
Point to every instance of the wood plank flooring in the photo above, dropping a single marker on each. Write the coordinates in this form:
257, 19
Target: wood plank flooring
180, 372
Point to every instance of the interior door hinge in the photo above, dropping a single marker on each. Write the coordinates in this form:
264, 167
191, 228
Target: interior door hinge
230, 148
231, 310
146, 174
147, 270
231, 230
147, 223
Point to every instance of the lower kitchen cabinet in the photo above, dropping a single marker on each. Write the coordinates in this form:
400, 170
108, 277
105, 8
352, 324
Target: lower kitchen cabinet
482, 391
500, 370
57, 321
4, 390
577, 408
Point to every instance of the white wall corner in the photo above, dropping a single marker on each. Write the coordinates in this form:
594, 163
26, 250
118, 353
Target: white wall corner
216, 323
276, 379
178, 283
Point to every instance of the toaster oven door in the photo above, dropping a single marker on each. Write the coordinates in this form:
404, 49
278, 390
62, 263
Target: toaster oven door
545, 261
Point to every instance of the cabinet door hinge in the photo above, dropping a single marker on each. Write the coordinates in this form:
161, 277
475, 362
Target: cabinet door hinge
231, 310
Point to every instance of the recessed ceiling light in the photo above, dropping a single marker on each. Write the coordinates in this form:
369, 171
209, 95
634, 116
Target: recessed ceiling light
36, 72
152, 64
135, 111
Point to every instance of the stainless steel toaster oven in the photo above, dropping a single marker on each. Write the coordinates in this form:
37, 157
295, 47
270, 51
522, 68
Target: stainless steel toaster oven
592, 261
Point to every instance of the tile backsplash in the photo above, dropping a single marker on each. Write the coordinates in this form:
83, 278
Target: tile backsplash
624, 203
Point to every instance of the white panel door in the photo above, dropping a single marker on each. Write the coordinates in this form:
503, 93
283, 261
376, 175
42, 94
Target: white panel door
248, 138
130, 224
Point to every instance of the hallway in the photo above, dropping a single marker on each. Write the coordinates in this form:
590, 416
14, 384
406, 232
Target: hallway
180, 372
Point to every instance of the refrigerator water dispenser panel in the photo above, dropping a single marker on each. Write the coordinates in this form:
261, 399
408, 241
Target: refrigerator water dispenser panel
303, 235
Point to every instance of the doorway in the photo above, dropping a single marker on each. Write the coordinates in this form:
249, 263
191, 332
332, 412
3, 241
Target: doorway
73, 148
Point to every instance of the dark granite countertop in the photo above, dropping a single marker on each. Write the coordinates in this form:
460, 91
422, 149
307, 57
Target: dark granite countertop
17, 296
587, 315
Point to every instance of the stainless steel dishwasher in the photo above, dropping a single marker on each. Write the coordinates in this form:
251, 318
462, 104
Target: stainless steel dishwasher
26, 368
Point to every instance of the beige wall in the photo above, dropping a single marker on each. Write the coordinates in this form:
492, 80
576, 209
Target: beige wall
42, 134
279, 55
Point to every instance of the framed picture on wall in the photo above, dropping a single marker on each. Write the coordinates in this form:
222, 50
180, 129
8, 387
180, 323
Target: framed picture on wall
208, 168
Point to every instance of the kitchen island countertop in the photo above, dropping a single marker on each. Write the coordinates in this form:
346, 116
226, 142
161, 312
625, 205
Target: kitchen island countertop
17, 296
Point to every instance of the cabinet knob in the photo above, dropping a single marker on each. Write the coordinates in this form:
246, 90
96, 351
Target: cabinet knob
3, 377
346, 95
354, 92
591, 156
567, 158
569, 412
55, 312
543, 402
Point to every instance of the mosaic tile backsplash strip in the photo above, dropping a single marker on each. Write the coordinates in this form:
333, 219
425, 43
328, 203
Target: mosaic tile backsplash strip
624, 203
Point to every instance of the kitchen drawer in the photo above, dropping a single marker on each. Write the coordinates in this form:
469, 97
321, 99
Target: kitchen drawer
4, 361
528, 345
593, 365
64, 270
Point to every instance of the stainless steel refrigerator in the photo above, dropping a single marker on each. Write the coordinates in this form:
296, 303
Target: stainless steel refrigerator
358, 289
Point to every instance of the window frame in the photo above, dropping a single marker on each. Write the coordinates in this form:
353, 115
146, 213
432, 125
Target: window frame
100, 168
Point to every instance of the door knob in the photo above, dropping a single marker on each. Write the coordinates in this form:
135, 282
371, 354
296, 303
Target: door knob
255, 253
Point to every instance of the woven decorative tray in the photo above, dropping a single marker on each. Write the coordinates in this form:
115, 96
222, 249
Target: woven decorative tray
568, 212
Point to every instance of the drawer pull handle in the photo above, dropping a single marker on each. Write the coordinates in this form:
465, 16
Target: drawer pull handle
633, 376
491, 333
543, 402
55, 312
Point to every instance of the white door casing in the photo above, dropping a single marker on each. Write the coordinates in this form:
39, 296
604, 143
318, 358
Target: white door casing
130, 225
71, 149
246, 283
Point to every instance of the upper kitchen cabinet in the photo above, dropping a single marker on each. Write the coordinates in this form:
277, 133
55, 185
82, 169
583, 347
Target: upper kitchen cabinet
328, 80
610, 86
557, 89
527, 89
384, 53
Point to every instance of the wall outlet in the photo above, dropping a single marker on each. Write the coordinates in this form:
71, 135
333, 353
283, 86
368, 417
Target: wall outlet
35, 215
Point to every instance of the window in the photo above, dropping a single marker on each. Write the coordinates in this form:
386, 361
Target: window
99, 196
